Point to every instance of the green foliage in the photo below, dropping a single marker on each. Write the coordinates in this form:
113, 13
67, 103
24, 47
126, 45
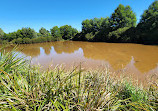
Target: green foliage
95, 25
67, 32
19, 41
55, 32
39, 40
43, 39
123, 17
10, 36
95, 29
116, 36
43, 32
26, 33
89, 36
10, 61
27, 41
87, 26
147, 28
1, 33
3, 41
149, 18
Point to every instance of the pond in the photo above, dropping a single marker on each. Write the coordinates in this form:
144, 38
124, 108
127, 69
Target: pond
134, 58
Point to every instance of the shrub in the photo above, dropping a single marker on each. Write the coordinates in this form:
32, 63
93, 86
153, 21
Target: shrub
89, 36
116, 36
27, 41
3, 41
19, 41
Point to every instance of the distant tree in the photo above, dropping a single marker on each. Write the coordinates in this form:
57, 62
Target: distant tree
44, 32
27, 41
19, 41
123, 17
26, 33
55, 32
1, 33
67, 32
10, 36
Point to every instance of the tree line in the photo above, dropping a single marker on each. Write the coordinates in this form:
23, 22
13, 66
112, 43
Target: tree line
28, 35
121, 26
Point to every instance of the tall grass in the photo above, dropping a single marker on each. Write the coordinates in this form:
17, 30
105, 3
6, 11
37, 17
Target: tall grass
25, 87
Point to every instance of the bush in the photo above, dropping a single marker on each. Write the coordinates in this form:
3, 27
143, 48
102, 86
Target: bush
49, 39
40, 39
89, 36
3, 41
116, 36
27, 41
43, 39
19, 41
13, 41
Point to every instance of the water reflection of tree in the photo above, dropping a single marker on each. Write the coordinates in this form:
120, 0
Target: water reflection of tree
29, 50
47, 48
65, 47
106, 52
118, 55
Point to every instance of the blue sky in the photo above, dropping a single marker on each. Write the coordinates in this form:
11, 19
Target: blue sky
15, 14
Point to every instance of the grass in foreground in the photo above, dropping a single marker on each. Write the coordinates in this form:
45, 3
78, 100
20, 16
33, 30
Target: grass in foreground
25, 87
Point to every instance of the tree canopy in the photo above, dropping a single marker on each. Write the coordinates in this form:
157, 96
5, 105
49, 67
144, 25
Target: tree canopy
123, 17
55, 32
67, 32
148, 26
26, 33
44, 32
95, 25
149, 19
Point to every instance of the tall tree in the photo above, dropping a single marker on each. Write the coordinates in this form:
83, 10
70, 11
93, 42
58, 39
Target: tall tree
123, 17
149, 19
148, 26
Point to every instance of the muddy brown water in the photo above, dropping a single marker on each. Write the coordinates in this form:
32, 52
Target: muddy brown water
137, 59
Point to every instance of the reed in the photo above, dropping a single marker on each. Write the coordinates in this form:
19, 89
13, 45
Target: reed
25, 87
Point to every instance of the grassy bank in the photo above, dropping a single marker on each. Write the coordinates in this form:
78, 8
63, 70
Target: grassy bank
25, 87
